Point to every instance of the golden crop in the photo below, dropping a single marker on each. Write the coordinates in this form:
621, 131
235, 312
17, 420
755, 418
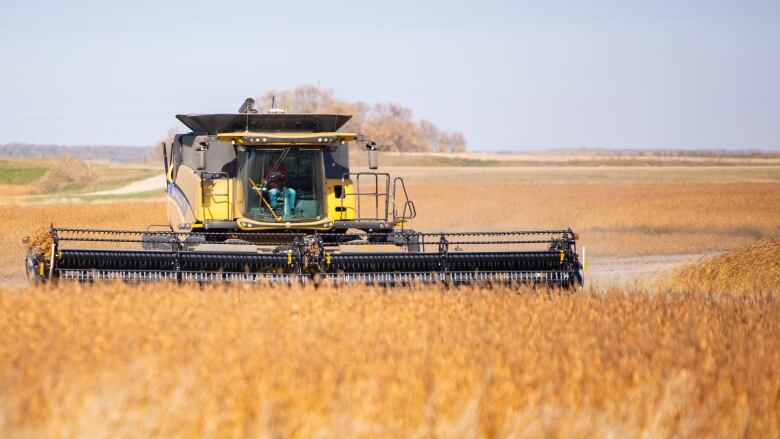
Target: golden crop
25, 220
613, 218
115, 360
749, 269
181, 361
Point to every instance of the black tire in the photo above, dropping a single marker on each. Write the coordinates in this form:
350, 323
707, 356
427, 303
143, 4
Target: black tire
153, 241
405, 238
236, 241
31, 265
412, 241
579, 280
194, 240
380, 236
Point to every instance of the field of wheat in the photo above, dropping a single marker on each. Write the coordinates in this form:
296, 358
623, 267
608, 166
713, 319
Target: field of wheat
613, 218
25, 220
172, 361
617, 214
684, 359
750, 269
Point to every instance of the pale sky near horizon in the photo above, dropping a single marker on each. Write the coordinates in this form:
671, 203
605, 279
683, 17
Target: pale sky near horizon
519, 75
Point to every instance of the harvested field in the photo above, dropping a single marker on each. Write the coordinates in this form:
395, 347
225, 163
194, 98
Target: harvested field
171, 361
571, 158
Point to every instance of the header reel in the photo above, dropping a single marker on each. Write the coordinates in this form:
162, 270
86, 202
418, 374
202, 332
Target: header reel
460, 258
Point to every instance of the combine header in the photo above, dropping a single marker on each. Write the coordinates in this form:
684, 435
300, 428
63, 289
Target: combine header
270, 198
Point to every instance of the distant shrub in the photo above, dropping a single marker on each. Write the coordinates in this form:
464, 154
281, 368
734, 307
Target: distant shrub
67, 171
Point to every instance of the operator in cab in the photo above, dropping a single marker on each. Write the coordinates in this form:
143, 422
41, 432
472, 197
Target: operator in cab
276, 186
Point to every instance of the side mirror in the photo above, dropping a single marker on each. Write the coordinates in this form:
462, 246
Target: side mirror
202, 155
373, 155
165, 158
373, 159
175, 159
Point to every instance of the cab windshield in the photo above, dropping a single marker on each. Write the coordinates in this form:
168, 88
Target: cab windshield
282, 184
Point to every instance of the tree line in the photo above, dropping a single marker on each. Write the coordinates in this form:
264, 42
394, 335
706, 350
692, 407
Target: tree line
392, 126
124, 154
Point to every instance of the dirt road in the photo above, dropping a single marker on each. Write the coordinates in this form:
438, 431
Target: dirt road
639, 271
145, 185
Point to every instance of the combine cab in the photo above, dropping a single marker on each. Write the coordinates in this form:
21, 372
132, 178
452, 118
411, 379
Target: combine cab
270, 197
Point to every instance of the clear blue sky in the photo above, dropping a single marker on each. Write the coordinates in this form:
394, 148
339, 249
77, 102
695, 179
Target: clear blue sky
510, 75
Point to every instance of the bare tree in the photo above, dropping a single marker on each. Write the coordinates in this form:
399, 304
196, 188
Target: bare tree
454, 142
155, 151
392, 126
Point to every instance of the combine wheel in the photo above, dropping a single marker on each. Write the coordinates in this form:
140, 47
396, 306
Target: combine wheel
405, 238
579, 280
412, 240
379, 236
235, 241
153, 241
193, 241
32, 265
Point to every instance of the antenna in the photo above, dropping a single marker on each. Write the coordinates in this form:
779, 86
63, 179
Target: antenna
273, 109
248, 106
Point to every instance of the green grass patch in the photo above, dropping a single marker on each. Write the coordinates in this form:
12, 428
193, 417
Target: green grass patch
120, 180
157, 194
11, 173
147, 195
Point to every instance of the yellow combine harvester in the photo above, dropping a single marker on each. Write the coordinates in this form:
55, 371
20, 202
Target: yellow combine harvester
267, 197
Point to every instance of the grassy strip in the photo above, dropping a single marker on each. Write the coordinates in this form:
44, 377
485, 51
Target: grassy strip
77, 190
19, 175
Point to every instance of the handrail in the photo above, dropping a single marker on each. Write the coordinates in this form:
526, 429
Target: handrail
408, 204
358, 194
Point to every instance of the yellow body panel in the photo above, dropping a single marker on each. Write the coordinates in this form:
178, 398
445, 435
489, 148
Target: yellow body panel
212, 202
224, 199
286, 139
187, 181
335, 205
177, 217
239, 188
217, 200
248, 224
